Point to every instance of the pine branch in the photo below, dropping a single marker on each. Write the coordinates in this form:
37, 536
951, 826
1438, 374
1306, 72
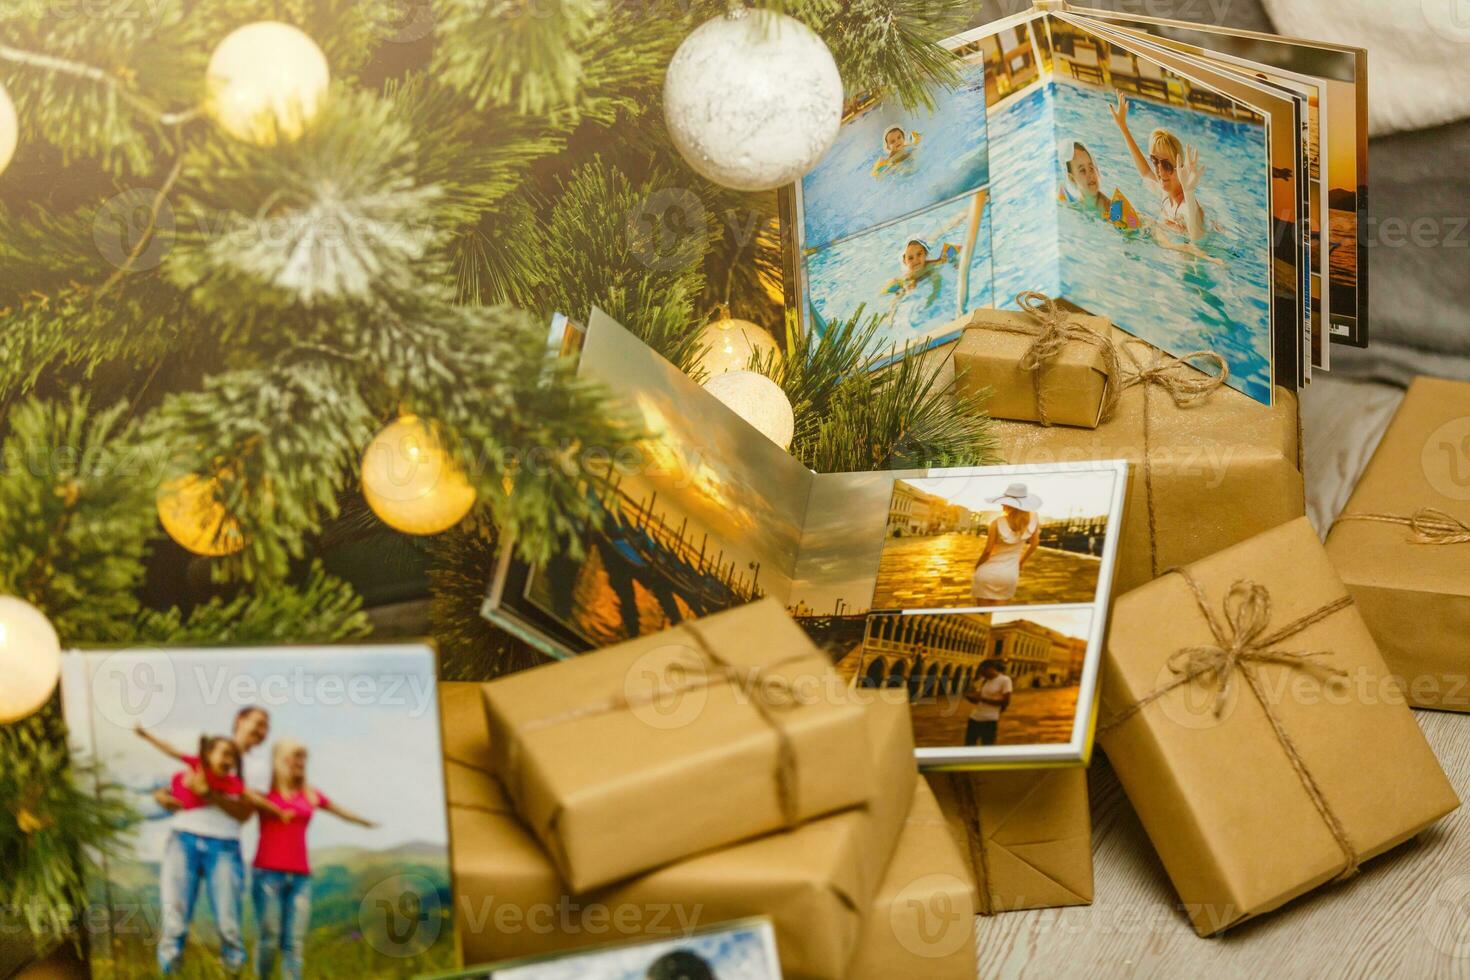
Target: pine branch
854, 415
281, 442
76, 515
469, 647
513, 53
321, 609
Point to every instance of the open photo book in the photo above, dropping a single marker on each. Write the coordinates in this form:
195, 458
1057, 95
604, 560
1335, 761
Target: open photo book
1203, 188
982, 590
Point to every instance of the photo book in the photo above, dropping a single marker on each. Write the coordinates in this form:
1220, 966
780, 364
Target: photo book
981, 590
741, 950
1203, 188
286, 811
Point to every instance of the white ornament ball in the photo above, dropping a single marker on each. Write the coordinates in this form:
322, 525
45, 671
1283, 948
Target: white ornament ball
9, 129
729, 345
30, 659
753, 99
410, 481
266, 81
758, 400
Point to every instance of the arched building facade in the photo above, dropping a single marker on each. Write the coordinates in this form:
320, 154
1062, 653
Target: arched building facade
931, 654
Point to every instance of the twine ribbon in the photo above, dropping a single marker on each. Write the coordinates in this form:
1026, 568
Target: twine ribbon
1426, 525
1052, 330
770, 696
1188, 384
964, 791
1242, 644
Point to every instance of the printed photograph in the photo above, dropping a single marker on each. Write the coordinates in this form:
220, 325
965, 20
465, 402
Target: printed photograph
1006, 677
737, 951
1164, 217
260, 844
919, 274
706, 518
994, 540
890, 161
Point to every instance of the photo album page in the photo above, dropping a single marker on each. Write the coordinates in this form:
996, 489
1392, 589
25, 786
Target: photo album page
982, 591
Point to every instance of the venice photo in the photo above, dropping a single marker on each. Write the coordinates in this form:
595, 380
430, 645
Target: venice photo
994, 540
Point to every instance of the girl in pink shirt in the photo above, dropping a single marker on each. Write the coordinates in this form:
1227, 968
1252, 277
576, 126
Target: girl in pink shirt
281, 880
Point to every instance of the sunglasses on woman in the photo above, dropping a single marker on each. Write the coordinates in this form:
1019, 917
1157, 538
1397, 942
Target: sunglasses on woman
1164, 167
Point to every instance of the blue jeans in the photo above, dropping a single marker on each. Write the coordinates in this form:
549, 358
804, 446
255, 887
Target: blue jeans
282, 912
190, 860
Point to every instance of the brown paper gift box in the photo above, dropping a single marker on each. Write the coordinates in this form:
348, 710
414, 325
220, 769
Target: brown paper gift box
922, 922
1026, 834
594, 745
814, 882
1073, 383
1300, 775
1415, 595
1204, 476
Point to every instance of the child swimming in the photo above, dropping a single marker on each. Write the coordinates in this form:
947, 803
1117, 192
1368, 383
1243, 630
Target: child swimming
1173, 170
218, 763
898, 150
919, 269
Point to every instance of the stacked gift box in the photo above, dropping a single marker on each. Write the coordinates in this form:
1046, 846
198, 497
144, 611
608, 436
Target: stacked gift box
1254, 702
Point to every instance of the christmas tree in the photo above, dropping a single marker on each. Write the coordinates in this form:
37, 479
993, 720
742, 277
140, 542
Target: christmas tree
205, 320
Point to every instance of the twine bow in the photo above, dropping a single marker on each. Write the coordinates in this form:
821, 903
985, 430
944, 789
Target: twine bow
1053, 330
1242, 643
771, 696
1426, 525
1183, 377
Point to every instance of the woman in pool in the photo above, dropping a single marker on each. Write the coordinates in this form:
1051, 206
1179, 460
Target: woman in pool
1085, 190
281, 880
1173, 170
898, 151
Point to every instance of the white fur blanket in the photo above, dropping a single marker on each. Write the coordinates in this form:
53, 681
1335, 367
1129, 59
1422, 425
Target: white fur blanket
1418, 52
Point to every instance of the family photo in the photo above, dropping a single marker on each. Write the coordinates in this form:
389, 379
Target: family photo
980, 679
264, 833
995, 540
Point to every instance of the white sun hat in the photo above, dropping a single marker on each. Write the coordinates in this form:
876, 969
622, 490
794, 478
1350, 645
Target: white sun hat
1018, 496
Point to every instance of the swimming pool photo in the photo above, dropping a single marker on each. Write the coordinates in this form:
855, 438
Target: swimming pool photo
1216, 297
867, 272
863, 182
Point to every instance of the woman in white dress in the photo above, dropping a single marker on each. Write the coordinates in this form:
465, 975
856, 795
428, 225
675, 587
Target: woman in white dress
1011, 539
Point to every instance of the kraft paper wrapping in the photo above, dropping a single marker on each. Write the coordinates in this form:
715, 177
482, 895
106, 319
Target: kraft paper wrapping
1277, 794
1415, 594
1026, 835
816, 882
1204, 476
1074, 383
922, 922
737, 706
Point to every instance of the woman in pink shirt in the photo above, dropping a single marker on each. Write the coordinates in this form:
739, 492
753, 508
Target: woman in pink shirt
282, 874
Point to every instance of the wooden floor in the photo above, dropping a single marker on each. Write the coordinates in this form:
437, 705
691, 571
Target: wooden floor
1407, 915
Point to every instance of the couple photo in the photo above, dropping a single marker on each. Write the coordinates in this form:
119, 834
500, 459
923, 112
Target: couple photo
288, 817
207, 805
